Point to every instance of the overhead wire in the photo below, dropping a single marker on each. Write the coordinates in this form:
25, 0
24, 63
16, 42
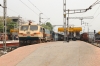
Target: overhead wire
97, 15
29, 7
96, 10
13, 11
94, 3
91, 7
37, 9
98, 7
34, 5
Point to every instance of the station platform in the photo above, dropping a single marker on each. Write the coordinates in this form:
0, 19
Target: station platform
10, 43
74, 53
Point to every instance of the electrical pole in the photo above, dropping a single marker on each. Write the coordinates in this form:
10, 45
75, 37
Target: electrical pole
68, 27
73, 12
69, 12
64, 18
40, 18
4, 29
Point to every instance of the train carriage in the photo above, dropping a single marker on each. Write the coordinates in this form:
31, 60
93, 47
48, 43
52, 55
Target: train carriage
47, 35
84, 37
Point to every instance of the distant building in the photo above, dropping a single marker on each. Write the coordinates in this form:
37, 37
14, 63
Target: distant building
15, 19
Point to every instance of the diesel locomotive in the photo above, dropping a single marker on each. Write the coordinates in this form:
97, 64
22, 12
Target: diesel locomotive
30, 33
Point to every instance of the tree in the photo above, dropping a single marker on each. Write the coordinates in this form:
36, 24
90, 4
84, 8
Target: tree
47, 26
10, 24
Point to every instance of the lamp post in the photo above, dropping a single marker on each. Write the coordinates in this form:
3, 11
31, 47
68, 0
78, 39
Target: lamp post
68, 27
40, 18
4, 28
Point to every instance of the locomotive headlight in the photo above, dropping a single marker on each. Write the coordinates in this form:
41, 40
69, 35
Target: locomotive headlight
28, 32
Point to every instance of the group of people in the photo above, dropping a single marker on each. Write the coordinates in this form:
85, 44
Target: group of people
8, 37
2, 37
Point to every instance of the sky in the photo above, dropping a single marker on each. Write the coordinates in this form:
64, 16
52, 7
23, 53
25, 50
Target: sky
53, 9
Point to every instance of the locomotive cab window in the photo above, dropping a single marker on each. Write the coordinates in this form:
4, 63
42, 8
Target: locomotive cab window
24, 27
33, 27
